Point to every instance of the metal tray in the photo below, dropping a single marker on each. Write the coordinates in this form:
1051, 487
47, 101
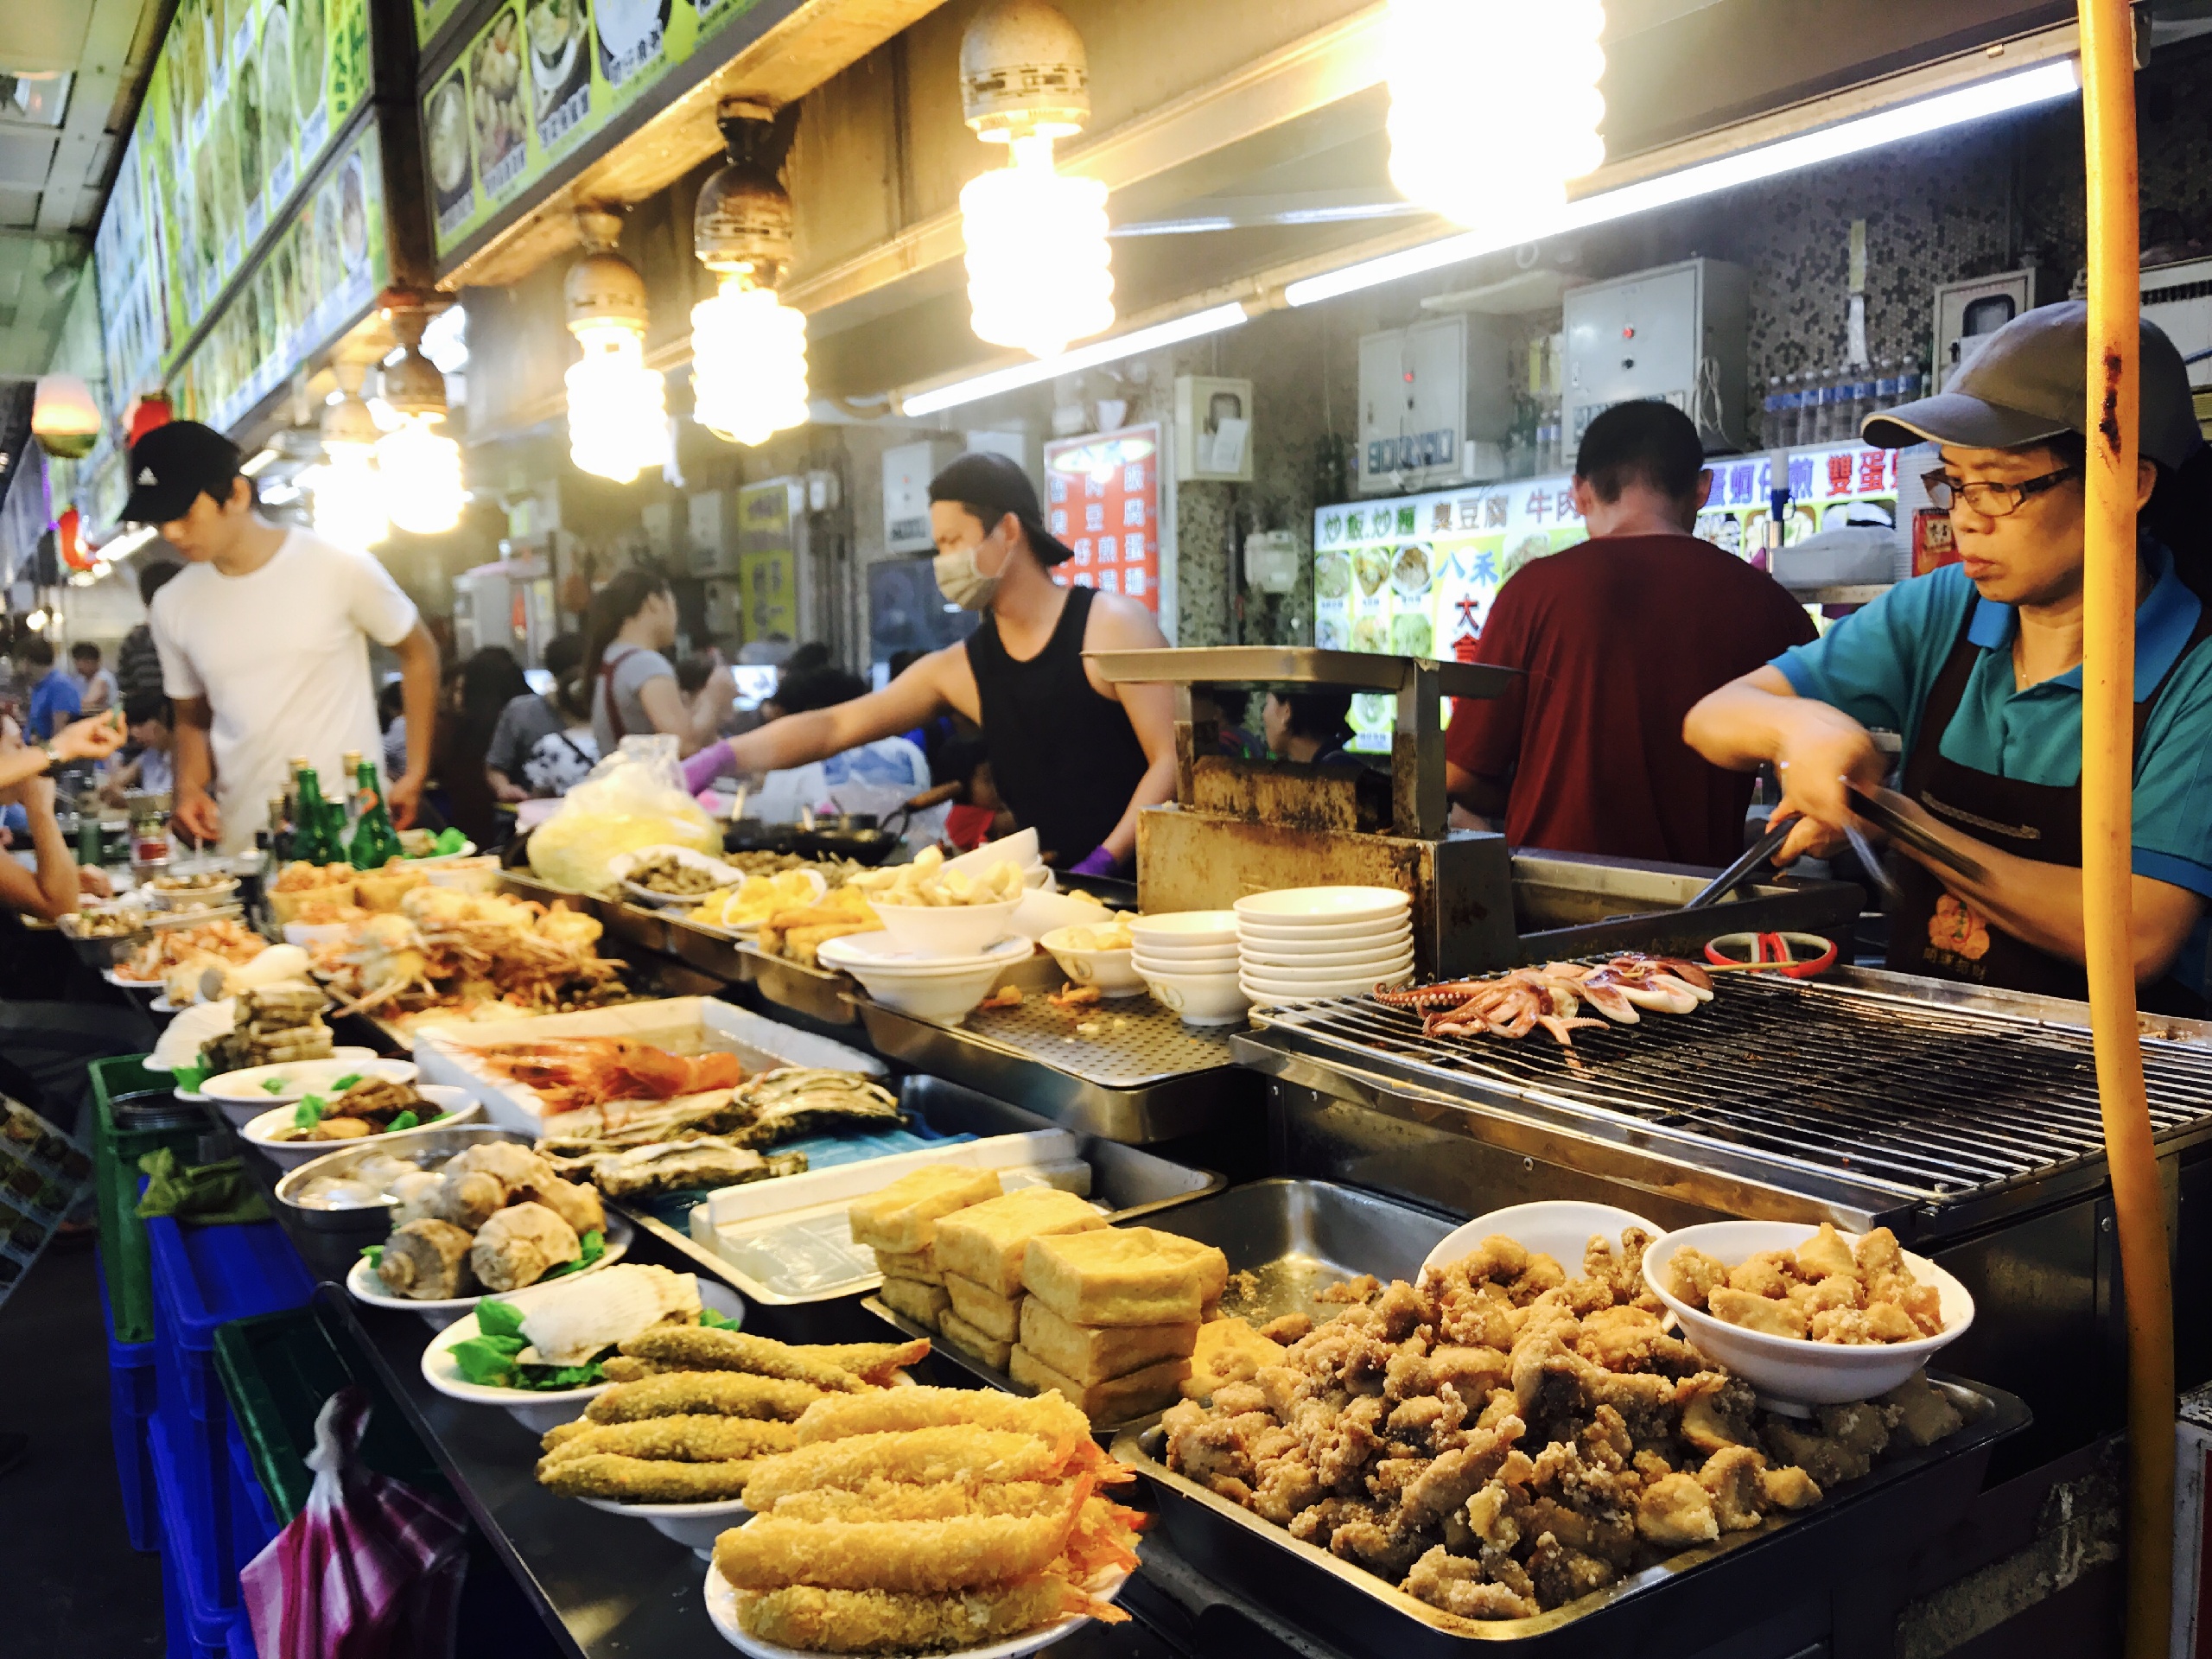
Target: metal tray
822, 996
1684, 1605
1155, 1079
106, 950
440, 1144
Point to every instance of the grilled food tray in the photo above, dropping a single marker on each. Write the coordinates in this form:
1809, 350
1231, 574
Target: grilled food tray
1682, 1605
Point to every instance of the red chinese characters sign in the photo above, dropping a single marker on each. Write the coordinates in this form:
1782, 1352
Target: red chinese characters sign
1103, 500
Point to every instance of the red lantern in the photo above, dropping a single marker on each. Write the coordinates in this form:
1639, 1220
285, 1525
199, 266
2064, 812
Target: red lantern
69, 539
148, 412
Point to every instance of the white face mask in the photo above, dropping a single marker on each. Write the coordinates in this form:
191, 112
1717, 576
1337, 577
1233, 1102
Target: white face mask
960, 580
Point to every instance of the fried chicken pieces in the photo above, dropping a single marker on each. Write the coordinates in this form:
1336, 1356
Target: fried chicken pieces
1826, 1290
926, 1518
1501, 1439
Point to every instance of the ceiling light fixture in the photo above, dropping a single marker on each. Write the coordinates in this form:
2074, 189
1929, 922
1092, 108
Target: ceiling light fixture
64, 418
617, 408
749, 348
1038, 264
421, 467
1995, 97
259, 463
348, 492
1211, 320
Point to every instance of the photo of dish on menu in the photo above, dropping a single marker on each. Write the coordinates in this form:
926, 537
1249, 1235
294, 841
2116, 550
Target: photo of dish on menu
495, 104
559, 33
444, 124
630, 33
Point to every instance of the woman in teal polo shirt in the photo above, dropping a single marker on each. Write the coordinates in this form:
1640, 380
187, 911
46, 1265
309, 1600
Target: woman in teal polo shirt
1979, 666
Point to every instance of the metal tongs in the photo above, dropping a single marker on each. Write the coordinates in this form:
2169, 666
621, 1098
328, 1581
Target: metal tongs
1874, 806
1738, 873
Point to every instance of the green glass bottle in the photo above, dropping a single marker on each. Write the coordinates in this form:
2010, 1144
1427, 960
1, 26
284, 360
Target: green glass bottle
314, 836
375, 841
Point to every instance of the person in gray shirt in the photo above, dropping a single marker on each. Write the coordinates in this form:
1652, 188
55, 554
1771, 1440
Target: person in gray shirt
521, 762
633, 626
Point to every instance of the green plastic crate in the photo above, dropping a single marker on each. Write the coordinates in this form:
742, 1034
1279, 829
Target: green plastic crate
116, 1152
277, 1370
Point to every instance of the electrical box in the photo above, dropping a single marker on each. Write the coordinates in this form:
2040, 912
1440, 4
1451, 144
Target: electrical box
1673, 334
1427, 394
724, 608
2178, 298
1967, 312
907, 469
1213, 429
711, 532
1272, 559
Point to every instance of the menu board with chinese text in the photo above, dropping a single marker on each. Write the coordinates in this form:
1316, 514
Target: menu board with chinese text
1103, 500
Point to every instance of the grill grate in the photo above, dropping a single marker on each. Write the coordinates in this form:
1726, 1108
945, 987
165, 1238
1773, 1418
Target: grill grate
1926, 1103
1143, 1042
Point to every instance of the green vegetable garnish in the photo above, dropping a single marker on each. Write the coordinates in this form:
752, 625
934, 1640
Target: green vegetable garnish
449, 841
498, 1319
189, 1078
713, 1321
487, 1361
435, 1117
404, 1121
309, 1113
346, 1081
375, 1255
274, 1086
594, 1245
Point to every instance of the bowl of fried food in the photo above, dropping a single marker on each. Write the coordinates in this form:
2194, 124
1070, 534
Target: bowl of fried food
1808, 1314
1098, 953
371, 1108
939, 912
198, 887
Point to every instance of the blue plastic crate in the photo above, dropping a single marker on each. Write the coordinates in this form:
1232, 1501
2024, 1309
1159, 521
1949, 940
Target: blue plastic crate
254, 1510
205, 1277
198, 1626
130, 1410
241, 1641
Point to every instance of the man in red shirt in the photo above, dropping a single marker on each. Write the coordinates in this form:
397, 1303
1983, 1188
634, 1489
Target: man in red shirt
1617, 636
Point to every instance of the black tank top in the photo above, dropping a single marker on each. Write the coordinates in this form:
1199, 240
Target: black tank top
1064, 759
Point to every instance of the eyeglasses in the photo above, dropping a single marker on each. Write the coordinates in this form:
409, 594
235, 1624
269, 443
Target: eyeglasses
1991, 500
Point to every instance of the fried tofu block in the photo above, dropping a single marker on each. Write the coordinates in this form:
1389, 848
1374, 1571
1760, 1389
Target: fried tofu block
969, 1340
920, 1265
1124, 1276
1228, 1350
1091, 1354
1763, 1314
986, 1241
902, 1218
1114, 1401
996, 1317
924, 1303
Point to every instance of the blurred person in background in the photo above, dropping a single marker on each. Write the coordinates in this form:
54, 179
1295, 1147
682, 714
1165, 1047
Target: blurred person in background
1234, 703
875, 777
50, 694
27, 788
486, 684
152, 726
138, 660
534, 747
96, 690
1311, 727
391, 721
633, 625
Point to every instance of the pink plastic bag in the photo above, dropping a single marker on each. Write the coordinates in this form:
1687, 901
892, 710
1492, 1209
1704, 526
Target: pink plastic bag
370, 1569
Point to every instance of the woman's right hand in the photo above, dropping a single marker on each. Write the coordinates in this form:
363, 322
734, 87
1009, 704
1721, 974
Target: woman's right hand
1822, 750
93, 739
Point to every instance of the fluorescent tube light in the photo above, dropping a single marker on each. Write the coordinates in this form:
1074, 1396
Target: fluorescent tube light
1994, 97
1083, 356
260, 463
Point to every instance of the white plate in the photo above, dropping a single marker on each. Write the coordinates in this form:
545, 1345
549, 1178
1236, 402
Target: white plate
721, 1607
362, 1280
878, 953
1785, 1368
118, 980
1277, 995
1187, 927
539, 1410
298, 1078
456, 1105
1561, 1228
1327, 935
1323, 907
695, 1526
1360, 937
1326, 972
723, 876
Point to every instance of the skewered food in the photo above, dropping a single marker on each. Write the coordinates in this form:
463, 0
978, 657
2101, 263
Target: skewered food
448, 950
925, 1518
1826, 1290
271, 1025
1514, 1003
800, 932
220, 943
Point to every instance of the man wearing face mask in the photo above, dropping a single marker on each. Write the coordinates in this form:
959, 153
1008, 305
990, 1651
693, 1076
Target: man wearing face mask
1074, 757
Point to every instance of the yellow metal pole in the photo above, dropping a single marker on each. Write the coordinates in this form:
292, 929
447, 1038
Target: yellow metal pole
2108, 741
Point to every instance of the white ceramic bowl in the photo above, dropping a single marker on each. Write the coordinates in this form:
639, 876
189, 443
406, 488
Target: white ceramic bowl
456, 1105
1020, 849
1324, 906
929, 989
220, 893
245, 1096
465, 873
1040, 911
363, 1285
1200, 999
1277, 995
695, 1526
946, 929
1221, 961
538, 1411
1808, 1373
1330, 933
1185, 927
1113, 972
1560, 1228
722, 1609
1154, 949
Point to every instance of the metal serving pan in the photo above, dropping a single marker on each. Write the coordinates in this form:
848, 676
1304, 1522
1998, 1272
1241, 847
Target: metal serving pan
429, 1146
820, 996
104, 951
1685, 1604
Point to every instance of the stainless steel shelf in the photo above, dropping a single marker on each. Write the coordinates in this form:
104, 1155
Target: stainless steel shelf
1358, 671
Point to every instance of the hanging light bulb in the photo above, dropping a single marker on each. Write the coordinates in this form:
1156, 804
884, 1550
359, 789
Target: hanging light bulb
1039, 267
420, 466
348, 489
749, 348
1430, 44
64, 418
617, 408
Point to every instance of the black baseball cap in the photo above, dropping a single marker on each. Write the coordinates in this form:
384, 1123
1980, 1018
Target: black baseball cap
2031, 382
173, 464
992, 486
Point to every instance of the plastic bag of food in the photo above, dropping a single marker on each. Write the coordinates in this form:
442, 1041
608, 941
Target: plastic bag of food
633, 798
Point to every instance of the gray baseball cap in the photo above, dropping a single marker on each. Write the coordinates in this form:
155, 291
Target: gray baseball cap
2031, 382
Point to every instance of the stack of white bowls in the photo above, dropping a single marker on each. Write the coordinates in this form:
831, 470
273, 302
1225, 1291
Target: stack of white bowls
1308, 943
1188, 960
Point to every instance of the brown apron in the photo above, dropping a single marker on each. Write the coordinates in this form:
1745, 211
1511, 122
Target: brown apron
1934, 931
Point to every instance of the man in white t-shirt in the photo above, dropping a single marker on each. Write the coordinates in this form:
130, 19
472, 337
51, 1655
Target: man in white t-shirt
264, 641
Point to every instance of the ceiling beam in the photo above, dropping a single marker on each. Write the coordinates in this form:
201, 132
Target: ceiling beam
100, 71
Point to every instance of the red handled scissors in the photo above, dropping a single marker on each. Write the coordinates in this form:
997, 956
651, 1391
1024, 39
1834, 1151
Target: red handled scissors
1793, 955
